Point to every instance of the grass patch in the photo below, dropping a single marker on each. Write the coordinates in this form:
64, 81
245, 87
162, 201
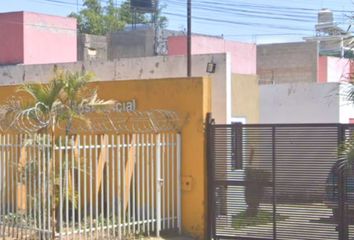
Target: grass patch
263, 217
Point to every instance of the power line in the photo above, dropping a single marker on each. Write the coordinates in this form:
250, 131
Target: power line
239, 22
266, 16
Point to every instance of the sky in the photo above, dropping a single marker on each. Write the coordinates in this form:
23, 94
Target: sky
256, 21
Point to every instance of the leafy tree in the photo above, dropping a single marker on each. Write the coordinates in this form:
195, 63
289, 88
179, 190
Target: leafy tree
90, 19
112, 22
161, 21
100, 20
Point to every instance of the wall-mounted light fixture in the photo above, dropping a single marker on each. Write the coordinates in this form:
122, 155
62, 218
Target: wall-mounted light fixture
211, 67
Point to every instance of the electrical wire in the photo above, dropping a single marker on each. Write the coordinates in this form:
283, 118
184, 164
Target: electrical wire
268, 17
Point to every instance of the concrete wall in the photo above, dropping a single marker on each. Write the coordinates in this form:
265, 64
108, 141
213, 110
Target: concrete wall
91, 47
243, 55
125, 44
300, 103
140, 68
176, 95
131, 44
245, 97
287, 62
11, 38
33, 38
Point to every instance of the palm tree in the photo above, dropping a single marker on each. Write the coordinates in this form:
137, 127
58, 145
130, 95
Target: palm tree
65, 98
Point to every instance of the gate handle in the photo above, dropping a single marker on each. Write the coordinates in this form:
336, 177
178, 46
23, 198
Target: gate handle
160, 181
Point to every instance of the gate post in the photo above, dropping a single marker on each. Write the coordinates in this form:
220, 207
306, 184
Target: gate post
274, 199
342, 223
179, 176
53, 170
159, 183
210, 171
343, 232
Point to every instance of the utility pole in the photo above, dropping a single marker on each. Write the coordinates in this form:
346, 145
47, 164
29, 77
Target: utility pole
189, 38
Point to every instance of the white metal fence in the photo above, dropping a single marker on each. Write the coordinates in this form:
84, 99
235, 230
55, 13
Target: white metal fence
89, 186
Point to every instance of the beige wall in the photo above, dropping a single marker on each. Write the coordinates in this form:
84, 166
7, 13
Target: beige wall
245, 97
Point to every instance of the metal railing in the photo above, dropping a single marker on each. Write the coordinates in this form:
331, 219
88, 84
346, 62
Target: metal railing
280, 181
89, 186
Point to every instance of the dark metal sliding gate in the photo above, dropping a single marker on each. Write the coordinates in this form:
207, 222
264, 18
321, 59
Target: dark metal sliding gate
282, 181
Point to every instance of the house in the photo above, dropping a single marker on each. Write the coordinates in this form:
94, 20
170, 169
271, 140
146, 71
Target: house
297, 85
307, 82
32, 38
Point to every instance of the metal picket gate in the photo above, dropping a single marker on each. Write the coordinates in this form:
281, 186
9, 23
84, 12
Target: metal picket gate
89, 186
280, 181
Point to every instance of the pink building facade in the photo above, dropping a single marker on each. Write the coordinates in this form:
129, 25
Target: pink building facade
32, 38
334, 69
243, 55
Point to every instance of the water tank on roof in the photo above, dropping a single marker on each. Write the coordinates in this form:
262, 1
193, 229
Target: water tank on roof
143, 5
325, 16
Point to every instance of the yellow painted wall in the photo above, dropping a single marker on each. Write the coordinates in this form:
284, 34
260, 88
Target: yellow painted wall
245, 97
191, 99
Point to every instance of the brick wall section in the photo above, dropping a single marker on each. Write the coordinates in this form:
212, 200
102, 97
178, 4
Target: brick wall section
287, 62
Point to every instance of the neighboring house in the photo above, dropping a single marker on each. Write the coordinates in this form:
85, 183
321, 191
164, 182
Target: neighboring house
334, 69
298, 85
243, 55
32, 38
298, 62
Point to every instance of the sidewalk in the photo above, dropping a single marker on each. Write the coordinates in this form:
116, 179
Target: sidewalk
146, 238
149, 238
171, 238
